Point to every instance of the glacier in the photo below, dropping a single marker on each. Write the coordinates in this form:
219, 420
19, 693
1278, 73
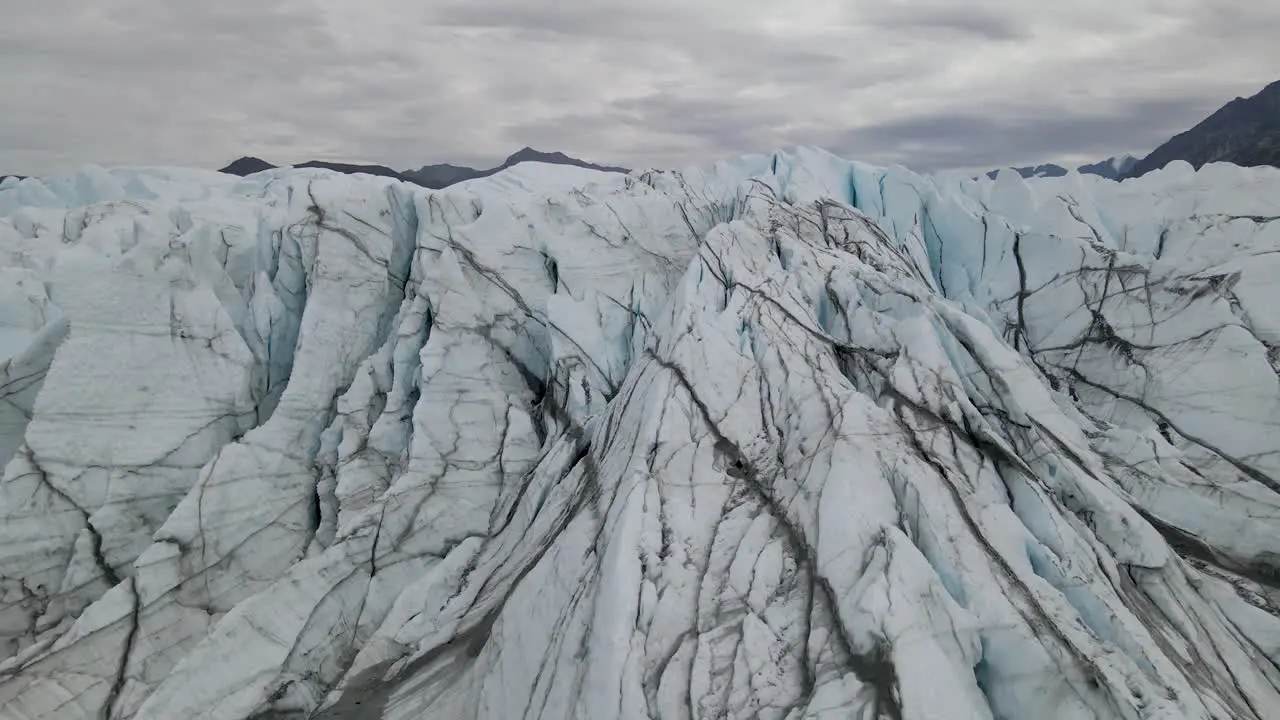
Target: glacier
788, 436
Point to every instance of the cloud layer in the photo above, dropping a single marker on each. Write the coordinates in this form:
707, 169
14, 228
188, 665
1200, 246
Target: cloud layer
931, 84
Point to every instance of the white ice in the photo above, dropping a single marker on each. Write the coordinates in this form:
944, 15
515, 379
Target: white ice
784, 437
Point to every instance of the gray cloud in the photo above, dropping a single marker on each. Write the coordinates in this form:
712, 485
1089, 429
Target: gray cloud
990, 23
948, 140
925, 83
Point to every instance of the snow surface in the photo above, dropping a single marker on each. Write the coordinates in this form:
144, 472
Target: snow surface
784, 437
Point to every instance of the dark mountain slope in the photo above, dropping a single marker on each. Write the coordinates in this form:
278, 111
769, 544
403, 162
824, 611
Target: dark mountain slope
430, 176
247, 166
348, 169
1112, 168
1245, 131
438, 176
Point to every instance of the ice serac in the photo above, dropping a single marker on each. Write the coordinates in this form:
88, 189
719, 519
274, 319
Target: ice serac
785, 437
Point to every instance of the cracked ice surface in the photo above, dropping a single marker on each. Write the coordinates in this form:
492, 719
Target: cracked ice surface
786, 437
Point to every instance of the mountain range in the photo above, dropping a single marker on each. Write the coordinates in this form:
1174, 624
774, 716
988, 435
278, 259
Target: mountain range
1245, 132
1113, 168
428, 176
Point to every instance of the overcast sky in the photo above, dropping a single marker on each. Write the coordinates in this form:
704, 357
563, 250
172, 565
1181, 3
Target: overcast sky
931, 84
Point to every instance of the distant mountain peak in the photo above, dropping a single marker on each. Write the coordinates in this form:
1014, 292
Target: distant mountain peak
247, 165
1245, 131
448, 165
528, 154
1113, 168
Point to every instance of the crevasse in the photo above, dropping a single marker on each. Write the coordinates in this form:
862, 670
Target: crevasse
784, 437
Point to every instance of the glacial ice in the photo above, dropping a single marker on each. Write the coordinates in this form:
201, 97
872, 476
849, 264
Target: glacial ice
784, 437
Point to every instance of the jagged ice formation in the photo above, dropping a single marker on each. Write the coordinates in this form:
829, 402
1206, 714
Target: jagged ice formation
787, 437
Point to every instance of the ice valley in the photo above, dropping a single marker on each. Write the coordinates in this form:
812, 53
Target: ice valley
785, 437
